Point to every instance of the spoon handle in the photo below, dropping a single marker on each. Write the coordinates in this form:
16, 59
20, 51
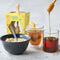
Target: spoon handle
13, 32
17, 8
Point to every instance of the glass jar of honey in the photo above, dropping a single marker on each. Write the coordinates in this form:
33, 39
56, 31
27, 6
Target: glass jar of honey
50, 41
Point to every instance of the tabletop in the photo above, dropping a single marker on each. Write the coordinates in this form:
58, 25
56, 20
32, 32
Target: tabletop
31, 53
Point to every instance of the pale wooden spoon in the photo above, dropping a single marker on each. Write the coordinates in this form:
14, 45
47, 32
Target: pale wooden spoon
17, 29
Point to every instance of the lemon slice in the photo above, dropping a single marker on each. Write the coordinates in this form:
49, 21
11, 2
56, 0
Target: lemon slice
32, 24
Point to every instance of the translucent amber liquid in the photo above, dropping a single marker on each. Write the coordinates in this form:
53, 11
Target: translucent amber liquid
50, 44
36, 36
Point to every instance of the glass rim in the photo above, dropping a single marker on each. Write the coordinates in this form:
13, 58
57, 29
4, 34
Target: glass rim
54, 31
40, 28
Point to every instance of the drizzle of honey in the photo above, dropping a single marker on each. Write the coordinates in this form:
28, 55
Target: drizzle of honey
49, 26
49, 9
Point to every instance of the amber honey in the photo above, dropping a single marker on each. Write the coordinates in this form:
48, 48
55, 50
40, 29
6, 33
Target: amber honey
36, 36
50, 44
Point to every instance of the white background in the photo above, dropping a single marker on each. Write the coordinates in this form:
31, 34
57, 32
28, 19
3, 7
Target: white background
38, 15
37, 9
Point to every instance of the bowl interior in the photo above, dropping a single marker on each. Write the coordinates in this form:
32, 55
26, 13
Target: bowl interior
27, 37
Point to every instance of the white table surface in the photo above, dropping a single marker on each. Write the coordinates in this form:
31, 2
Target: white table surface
38, 15
30, 54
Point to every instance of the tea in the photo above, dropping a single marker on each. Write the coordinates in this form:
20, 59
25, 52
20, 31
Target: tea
36, 36
50, 44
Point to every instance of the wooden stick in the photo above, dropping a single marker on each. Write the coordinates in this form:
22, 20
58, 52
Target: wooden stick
17, 29
17, 8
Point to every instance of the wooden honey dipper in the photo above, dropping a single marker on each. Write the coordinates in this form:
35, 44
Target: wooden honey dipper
17, 29
51, 6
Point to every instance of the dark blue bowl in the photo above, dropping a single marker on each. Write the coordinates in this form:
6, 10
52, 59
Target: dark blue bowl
15, 47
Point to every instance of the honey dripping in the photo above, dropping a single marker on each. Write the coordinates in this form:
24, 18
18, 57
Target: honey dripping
49, 9
49, 26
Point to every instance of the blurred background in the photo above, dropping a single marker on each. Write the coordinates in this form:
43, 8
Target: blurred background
37, 9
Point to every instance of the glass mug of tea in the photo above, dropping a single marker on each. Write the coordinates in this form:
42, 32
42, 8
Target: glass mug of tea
36, 34
50, 41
